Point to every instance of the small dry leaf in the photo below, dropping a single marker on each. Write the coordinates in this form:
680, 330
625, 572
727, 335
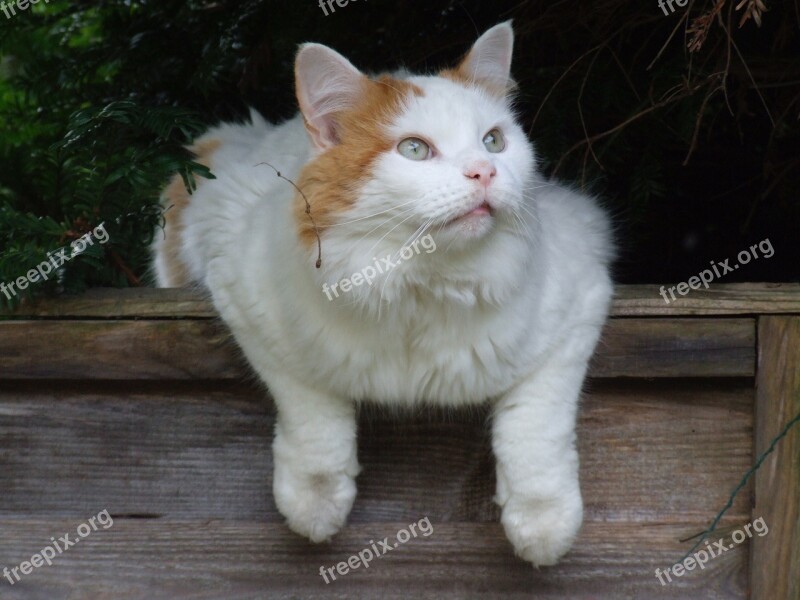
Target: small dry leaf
752, 9
701, 25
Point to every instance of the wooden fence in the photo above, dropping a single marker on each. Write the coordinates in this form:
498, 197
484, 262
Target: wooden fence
138, 402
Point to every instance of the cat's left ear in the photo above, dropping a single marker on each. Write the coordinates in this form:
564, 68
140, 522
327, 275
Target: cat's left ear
489, 61
326, 84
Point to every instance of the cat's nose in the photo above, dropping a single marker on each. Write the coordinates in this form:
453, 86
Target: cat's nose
482, 171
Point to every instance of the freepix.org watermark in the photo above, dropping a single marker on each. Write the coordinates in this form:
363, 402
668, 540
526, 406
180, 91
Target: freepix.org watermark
367, 555
707, 276
56, 547
330, 3
10, 9
384, 265
701, 557
663, 4
55, 260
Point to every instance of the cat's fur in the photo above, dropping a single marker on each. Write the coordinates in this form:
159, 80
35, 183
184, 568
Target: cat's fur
508, 309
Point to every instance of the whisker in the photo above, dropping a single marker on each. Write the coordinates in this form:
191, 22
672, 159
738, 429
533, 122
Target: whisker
385, 222
388, 232
531, 213
416, 236
420, 230
374, 214
521, 226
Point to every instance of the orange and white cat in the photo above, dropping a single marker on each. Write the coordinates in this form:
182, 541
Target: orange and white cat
506, 310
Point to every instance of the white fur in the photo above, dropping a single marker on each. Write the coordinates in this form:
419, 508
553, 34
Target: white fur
507, 309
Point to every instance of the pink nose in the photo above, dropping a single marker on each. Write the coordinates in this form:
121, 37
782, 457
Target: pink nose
482, 172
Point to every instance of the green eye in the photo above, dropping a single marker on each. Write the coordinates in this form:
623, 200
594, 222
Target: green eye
414, 149
494, 141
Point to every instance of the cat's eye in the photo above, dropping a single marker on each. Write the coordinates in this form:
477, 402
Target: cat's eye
414, 149
494, 141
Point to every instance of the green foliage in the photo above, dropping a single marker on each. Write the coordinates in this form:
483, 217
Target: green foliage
695, 152
73, 157
108, 168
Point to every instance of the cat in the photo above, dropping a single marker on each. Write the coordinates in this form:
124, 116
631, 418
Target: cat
506, 310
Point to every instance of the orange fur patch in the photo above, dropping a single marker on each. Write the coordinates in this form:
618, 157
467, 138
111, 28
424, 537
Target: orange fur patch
176, 198
331, 181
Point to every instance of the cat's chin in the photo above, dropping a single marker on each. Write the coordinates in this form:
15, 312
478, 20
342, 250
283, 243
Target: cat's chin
473, 225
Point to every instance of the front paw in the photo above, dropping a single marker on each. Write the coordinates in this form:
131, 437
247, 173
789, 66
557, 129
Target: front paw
542, 530
315, 505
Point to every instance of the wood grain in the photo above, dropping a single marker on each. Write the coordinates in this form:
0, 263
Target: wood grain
127, 303
630, 301
723, 300
168, 560
137, 401
119, 350
776, 556
205, 453
194, 349
676, 348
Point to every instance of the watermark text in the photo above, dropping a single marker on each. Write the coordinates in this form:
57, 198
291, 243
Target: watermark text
376, 550
719, 270
56, 547
383, 265
701, 557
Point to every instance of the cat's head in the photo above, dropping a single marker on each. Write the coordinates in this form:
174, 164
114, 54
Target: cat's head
398, 157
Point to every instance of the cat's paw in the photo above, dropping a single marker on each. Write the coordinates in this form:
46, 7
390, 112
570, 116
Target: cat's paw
542, 530
315, 505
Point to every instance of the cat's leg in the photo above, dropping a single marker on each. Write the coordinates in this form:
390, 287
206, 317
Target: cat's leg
533, 437
315, 462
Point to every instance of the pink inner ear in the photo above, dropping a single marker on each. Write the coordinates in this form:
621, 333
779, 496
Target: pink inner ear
323, 132
329, 134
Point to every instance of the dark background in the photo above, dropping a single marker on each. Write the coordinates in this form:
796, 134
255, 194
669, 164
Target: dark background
694, 152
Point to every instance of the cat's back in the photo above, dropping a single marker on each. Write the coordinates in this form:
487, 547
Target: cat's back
578, 247
577, 226
243, 159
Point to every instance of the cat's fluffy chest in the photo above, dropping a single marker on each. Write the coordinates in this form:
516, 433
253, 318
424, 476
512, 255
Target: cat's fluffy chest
436, 356
430, 351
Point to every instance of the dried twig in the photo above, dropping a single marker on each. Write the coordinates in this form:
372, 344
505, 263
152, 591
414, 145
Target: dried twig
583, 121
133, 280
673, 98
308, 210
683, 18
701, 25
699, 121
562, 76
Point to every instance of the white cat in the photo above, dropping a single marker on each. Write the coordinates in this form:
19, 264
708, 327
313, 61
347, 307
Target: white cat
507, 309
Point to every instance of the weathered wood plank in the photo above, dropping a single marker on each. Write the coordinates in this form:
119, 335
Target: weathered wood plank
776, 560
724, 300
676, 348
203, 349
161, 560
630, 301
192, 452
128, 303
114, 350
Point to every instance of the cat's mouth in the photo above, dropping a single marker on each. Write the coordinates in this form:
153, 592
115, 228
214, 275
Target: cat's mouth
482, 211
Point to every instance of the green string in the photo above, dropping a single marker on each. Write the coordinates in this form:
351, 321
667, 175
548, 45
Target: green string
704, 534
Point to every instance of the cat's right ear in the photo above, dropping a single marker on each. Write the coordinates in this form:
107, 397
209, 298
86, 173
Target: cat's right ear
326, 83
489, 61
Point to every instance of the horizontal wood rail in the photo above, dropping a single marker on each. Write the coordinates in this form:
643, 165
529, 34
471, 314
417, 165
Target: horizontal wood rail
630, 301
